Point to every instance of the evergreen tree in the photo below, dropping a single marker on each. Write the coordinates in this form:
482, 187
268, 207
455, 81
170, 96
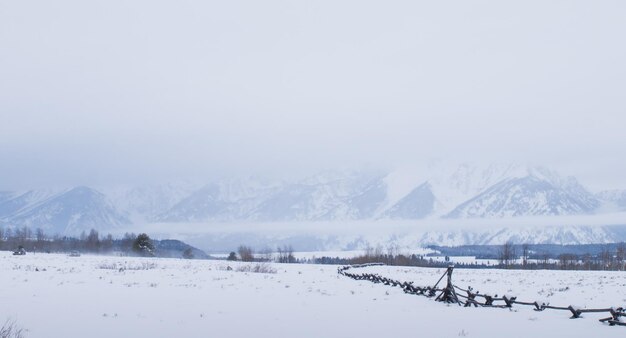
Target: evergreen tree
143, 245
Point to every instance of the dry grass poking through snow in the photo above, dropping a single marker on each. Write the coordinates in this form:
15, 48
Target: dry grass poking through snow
10, 330
256, 268
127, 266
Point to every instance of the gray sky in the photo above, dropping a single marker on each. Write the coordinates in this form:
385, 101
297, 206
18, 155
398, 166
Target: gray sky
96, 92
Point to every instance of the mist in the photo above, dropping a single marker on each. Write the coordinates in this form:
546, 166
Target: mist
109, 92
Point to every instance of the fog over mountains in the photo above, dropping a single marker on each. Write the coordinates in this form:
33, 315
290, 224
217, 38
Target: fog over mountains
463, 192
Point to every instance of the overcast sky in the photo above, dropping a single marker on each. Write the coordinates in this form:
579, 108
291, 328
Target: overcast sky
99, 92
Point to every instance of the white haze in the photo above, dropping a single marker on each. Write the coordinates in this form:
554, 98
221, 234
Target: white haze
113, 92
407, 234
382, 227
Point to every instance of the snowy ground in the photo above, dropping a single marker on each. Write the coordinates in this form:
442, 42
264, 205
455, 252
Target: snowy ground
60, 296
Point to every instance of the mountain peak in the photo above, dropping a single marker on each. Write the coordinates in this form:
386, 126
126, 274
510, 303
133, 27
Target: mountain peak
531, 195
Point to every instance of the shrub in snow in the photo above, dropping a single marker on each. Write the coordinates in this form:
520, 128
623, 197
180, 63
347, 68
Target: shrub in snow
20, 251
188, 254
256, 268
127, 266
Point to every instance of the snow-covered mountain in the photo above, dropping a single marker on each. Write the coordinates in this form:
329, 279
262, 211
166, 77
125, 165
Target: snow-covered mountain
144, 203
67, 212
326, 196
453, 185
450, 192
14, 202
201, 205
531, 195
419, 203
466, 191
614, 200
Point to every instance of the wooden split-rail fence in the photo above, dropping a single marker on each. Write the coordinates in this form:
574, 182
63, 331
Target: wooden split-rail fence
451, 293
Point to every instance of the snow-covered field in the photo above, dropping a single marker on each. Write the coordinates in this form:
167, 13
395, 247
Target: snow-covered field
53, 295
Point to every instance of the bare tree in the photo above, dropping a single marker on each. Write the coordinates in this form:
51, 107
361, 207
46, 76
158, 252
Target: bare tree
545, 260
587, 261
620, 256
40, 235
92, 242
525, 254
369, 251
267, 254
507, 254
246, 253
568, 261
378, 252
107, 243
393, 250
127, 242
285, 255
23, 234
606, 258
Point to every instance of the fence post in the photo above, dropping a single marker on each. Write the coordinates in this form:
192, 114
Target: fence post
448, 295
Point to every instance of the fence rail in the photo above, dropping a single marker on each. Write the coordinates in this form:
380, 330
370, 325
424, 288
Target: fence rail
466, 297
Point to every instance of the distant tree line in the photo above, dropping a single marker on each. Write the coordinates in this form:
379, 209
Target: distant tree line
389, 256
92, 242
508, 256
610, 257
389, 259
246, 253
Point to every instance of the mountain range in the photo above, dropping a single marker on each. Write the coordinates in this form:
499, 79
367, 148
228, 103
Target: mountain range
460, 192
